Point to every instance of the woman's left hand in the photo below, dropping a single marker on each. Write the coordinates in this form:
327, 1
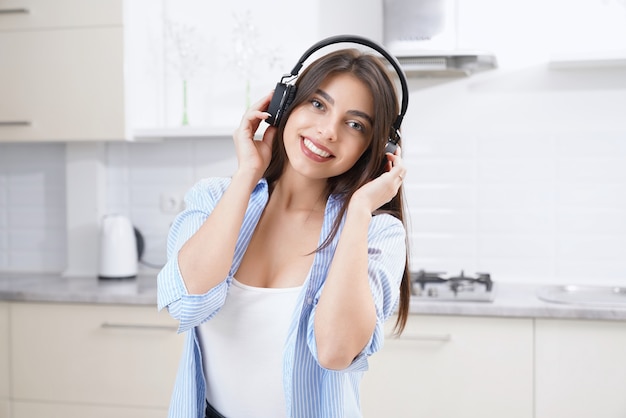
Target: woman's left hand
381, 190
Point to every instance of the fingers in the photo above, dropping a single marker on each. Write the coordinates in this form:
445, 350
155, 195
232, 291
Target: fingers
269, 135
252, 118
397, 169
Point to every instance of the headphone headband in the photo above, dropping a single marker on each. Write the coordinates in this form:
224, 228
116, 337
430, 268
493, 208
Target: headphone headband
371, 44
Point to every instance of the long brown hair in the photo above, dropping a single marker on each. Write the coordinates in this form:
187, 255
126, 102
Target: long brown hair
372, 72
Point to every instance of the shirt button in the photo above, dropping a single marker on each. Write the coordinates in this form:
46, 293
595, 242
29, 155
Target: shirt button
309, 301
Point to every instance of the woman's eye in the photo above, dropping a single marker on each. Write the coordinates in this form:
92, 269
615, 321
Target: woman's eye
317, 104
356, 125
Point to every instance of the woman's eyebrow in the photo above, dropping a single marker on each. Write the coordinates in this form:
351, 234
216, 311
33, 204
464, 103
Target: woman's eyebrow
359, 113
363, 115
325, 95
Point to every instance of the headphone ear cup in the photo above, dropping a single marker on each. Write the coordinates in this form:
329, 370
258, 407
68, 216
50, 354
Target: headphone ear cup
390, 147
280, 102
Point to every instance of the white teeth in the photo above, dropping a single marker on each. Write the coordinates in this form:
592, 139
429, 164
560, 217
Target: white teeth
315, 150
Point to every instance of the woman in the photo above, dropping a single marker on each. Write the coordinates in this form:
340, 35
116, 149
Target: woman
283, 275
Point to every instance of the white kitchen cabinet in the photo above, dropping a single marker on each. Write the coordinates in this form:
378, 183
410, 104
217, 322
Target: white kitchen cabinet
4, 360
62, 85
44, 14
54, 410
75, 360
451, 366
62, 72
580, 372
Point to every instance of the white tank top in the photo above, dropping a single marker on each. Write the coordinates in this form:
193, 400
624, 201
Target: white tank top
242, 351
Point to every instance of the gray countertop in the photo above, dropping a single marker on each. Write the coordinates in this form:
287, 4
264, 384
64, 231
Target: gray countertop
511, 300
37, 287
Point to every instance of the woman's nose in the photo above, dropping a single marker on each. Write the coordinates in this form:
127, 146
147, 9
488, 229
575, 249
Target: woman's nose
327, 130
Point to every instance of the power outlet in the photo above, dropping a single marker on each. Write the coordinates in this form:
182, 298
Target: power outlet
170, 202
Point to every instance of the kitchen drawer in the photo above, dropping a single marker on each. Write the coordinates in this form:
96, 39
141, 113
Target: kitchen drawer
111, 355
53, 410
580, 371
453, 366
4, 355
46, 14
62, 85
4, 409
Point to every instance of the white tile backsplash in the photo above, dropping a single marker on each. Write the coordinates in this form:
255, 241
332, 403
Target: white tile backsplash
589, 270
446, 221
592, 145
589, 195
32, 207
439, 196
589, 221
139, 174
511, 245
515, 221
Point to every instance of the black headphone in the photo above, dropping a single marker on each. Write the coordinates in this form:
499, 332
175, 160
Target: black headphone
284, 93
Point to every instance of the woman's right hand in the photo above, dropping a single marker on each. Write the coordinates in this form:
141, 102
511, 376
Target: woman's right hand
254, 156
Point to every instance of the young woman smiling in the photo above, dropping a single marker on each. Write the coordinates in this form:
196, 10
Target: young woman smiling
284, 274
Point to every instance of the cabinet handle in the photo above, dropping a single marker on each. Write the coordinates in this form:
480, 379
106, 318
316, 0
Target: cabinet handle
139, 326
440, 338
15, 123
15, 11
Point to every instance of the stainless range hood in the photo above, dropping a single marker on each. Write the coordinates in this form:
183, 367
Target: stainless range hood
455, 63
423, 36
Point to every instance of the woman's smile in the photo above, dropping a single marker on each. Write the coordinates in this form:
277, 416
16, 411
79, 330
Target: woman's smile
315, 151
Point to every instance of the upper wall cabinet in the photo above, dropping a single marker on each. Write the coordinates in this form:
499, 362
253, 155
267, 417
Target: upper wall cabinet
62, 72
40, 14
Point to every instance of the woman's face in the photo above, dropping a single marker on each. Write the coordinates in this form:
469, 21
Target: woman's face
327, 134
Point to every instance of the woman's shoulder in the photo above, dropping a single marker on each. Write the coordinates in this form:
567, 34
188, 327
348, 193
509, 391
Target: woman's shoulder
216, 186
384, 220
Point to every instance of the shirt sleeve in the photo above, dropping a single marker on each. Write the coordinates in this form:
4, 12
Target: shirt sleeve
386, 262
190, 310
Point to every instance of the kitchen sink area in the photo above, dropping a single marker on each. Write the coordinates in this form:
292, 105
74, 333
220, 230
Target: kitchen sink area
597, 296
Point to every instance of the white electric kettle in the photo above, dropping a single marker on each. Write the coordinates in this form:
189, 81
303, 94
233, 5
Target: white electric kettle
118, 248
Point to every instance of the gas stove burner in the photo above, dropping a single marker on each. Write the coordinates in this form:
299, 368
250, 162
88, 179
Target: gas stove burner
437, 286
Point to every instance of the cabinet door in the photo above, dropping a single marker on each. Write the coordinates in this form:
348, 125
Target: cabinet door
444, 367
55, 410
46, 14
123, 356
62, 85
581, 371
4, 360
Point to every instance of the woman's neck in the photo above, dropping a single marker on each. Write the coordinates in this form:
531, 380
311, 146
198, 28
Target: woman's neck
294, 192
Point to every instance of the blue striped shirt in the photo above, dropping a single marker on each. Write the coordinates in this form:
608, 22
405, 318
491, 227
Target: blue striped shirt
311, 391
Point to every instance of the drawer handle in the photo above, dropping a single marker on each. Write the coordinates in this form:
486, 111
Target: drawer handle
440, 338
139, 326
15, 123
14, 11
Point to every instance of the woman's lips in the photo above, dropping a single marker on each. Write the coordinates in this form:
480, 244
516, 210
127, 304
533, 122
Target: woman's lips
315, 151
